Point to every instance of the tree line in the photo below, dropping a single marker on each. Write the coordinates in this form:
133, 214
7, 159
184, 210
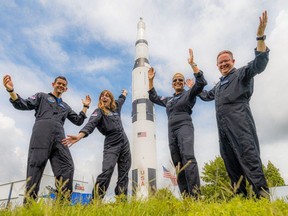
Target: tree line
217, 183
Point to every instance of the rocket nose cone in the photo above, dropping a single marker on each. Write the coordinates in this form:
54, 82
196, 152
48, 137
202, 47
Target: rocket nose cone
141, 24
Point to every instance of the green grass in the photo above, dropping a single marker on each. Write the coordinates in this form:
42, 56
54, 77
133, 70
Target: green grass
163, 203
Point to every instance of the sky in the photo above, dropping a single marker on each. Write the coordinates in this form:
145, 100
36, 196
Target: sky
92, 43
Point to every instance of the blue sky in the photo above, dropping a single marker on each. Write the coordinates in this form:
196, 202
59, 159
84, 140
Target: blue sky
92, 43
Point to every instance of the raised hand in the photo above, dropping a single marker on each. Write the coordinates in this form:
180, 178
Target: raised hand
191, 57
87, 101
7, 82
190, 83
262, 24
124, 92
151, 73
192, 63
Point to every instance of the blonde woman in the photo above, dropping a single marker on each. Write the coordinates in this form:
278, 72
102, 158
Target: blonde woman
106, 118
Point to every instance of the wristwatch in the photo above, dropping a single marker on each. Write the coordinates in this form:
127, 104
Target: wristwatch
261, 37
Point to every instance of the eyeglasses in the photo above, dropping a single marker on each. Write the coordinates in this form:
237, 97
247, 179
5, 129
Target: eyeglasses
179, 80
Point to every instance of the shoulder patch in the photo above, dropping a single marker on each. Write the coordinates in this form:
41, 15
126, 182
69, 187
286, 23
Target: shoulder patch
51, 99
95, 113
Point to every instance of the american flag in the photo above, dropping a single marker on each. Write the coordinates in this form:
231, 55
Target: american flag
168, 174
141, 134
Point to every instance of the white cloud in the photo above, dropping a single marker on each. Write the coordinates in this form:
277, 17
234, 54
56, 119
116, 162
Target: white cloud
98, 64
172, 27
12, 150
268, 103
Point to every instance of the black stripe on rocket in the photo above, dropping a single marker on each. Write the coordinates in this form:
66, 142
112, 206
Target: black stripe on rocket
151, 180
141, 41
149, 109
140, 62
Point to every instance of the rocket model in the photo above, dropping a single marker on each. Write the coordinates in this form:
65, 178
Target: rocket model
144, 139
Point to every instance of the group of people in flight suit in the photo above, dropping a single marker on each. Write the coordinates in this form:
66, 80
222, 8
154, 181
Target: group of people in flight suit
239, 146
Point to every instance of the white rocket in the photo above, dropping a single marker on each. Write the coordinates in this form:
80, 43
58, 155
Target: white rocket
144, 139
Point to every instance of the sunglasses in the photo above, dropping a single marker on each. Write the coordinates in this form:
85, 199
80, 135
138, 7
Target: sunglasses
179, 80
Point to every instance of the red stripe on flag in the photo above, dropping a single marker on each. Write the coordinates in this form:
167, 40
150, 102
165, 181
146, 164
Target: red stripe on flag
168, 174
141, 134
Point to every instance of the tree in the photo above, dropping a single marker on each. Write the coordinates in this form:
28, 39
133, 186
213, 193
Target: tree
217, 182
273, 175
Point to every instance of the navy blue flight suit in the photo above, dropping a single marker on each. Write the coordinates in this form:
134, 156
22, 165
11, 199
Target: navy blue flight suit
181, 132
239, 146
45, 142
116, 149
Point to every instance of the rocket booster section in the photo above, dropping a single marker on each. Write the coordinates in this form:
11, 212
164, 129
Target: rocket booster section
144, 140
